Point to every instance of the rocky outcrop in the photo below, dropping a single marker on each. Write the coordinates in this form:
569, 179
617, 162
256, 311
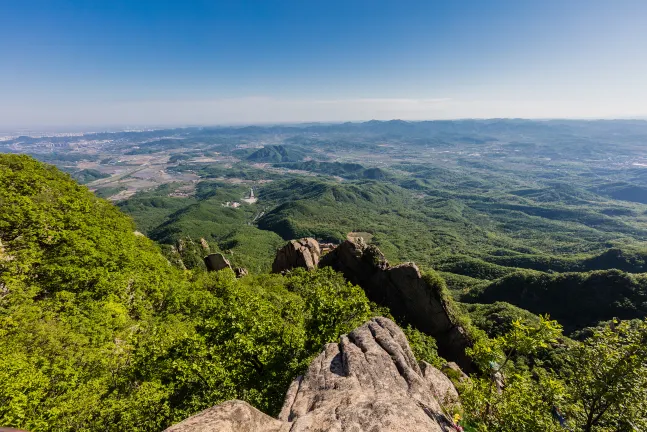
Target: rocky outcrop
410, 297
240, 272
205, 245
369, 381
297, 253
231, 416
216, 262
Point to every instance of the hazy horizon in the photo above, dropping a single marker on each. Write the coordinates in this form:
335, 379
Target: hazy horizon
44, 130
170, 63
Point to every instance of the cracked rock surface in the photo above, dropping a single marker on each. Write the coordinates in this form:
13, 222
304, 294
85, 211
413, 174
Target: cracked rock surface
369, 381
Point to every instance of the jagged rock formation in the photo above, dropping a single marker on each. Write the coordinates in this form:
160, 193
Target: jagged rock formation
231, 416
409, 296
304, 253
240, 272
326, 247
369, 381
217, 261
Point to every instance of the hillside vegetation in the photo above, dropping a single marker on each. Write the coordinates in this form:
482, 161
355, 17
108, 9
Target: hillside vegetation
576, 300
469, 240
276, 153
100, 332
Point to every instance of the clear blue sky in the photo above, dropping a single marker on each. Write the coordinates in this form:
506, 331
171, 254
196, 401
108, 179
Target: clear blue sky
180, 62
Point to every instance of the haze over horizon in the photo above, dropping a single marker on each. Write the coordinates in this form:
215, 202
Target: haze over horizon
86, 63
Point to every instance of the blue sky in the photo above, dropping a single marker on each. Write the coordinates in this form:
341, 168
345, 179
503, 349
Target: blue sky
210, 62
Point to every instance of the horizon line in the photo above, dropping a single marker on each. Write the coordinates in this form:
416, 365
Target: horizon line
117, 128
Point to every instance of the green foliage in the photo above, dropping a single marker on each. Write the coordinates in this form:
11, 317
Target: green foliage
204, 215
509, 397
333, 305
459, 285
107, 192
345, 170
522, 340
423, 346
598, 295
607, 376
525, 404
88, 175
497, 319
234, 172
100, 332
150, 209
277, 153
600, 385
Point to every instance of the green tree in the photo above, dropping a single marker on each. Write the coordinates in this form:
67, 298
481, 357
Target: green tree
510, 397
608, 378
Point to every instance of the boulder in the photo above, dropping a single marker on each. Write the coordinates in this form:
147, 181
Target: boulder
303, 253
216, 262
369, 381
240, 272
410, 297
443, 388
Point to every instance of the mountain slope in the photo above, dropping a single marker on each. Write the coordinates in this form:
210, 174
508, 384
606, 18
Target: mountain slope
276, 153
100, 332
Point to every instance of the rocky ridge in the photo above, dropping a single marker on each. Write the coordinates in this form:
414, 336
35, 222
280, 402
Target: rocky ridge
411, 297
369, 381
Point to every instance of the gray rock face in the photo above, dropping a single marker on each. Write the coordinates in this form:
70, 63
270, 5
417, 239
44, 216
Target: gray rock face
297, 253
217, 261
369, 381
405, 292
